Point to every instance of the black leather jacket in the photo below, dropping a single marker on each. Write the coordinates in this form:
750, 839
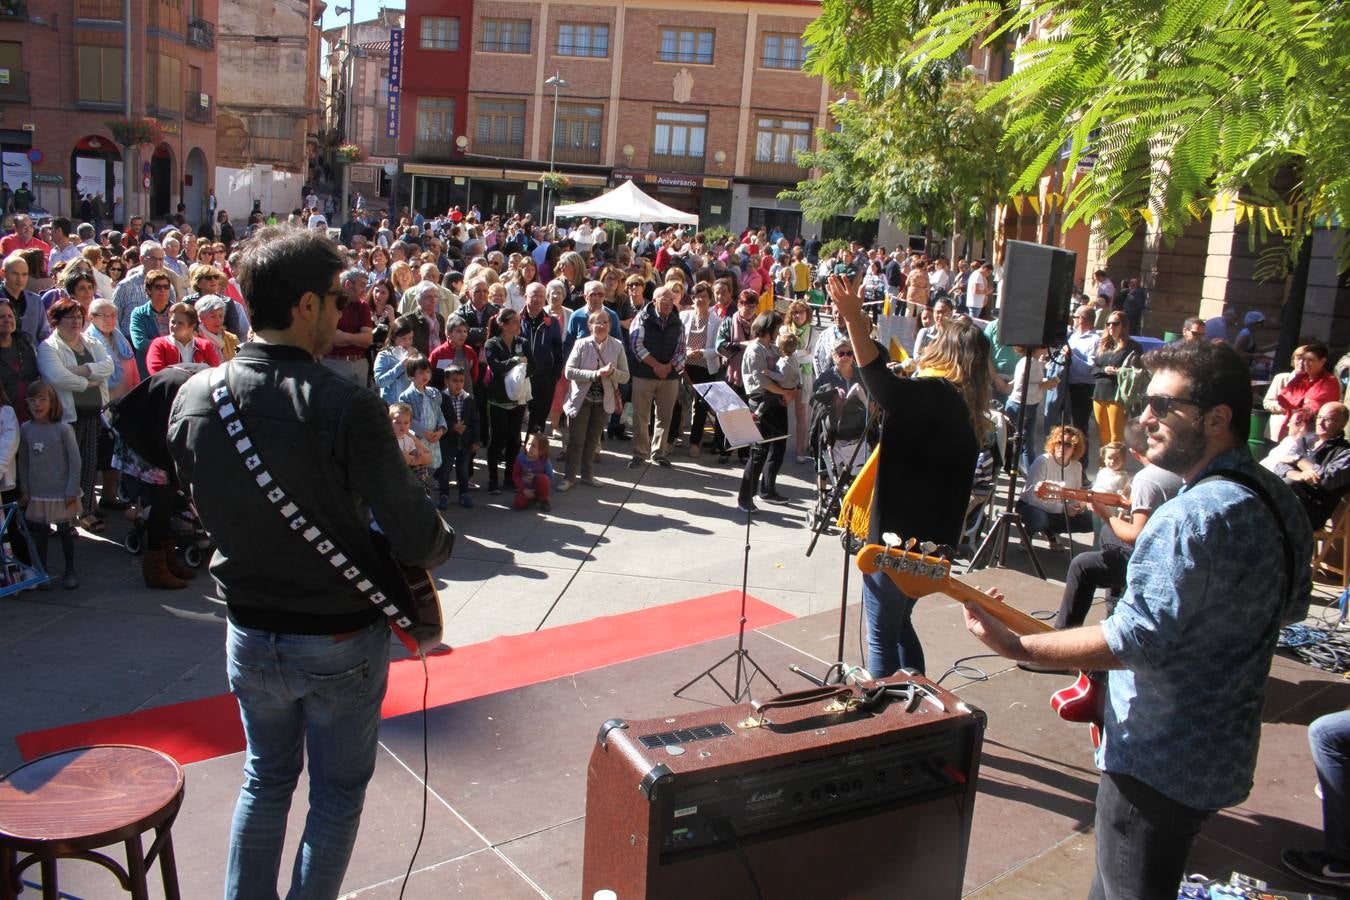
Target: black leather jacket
329, 444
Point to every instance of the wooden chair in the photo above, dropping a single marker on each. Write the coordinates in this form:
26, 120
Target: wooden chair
1331, 542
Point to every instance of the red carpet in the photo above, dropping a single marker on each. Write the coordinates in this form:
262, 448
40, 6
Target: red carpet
207, 728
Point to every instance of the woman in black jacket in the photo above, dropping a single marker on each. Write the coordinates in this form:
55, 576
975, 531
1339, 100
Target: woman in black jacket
501, 354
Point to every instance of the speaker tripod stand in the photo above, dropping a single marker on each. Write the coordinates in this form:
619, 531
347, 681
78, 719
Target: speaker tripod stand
995, 544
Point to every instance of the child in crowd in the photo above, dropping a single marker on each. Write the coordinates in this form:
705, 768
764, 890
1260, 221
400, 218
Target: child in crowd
428, 422
533, 474
391, 377
415, 453
1300, 423
49, 477
1111, 477
460, 441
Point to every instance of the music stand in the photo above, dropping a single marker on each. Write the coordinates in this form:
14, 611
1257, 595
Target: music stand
728, 402
995, 544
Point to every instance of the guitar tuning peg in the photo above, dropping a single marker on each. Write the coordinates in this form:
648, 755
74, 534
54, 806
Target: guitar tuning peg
891, 540
909, 544
928, 547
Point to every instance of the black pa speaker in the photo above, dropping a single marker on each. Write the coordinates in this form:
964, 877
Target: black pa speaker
1037, 289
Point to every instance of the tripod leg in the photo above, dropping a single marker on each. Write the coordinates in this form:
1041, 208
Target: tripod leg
1031, 551
990, 543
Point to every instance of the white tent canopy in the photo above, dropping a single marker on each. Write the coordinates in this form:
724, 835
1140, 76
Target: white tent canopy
627, 203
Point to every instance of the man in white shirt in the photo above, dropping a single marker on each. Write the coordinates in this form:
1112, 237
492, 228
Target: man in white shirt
977, 289
63, 249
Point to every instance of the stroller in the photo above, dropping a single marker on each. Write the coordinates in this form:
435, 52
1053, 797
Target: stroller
841, 444
189, 537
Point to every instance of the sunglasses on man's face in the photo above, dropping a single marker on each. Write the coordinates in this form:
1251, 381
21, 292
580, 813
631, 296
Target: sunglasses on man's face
1160, 405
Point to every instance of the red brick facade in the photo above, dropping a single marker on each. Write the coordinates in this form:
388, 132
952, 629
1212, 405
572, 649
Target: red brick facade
47, 105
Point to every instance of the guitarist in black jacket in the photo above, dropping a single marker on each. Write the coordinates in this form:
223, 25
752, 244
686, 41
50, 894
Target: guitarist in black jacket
307, 653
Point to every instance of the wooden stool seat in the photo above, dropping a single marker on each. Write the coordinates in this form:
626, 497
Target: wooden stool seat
68, 804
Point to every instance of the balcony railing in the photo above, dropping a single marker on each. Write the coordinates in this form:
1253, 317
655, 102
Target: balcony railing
13, 9
435, 149
201, 33
15, 90
510, 151
666, 163
383, 144
157, 111
505, 46
779, 171
199, 107
577, 154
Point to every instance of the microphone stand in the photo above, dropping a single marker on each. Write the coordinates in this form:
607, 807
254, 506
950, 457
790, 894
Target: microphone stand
850, 546
995, 544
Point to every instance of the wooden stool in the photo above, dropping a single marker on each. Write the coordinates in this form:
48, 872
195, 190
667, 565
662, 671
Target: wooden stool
68, 804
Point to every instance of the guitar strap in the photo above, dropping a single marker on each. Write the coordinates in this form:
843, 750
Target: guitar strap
285, 507
1255, 487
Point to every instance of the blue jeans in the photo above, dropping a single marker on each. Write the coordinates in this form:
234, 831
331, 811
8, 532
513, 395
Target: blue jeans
1329, 737
1029, 449
322, 696
892, 642
1039, 521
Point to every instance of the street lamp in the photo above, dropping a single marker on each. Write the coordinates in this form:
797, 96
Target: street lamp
347, 65
557, 83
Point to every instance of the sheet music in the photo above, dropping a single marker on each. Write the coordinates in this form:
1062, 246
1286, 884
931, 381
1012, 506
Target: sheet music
738, 423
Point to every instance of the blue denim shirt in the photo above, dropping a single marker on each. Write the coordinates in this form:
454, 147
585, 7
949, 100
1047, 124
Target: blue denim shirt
1206, 594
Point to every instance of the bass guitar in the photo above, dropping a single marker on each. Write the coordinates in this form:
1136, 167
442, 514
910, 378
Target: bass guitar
1049, 490
918, 574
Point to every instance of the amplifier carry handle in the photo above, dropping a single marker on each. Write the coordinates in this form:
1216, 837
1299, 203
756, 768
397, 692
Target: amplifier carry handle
794, 698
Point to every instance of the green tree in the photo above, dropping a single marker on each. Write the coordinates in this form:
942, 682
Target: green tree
923, 151
1179, 101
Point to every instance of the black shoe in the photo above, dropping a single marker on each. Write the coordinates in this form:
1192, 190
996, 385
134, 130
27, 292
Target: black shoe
545, 506
663, 462
635, 462
724, 458
1317, 867
774, 497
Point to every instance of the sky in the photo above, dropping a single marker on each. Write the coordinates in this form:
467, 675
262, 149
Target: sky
365, 9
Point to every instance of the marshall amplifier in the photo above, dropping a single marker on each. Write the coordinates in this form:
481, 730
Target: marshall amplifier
836, 792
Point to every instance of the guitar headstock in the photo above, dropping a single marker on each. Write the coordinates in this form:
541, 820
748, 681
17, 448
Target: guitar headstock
1049, 490
915, 573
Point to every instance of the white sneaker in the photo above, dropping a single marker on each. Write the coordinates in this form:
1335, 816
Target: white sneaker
566, 486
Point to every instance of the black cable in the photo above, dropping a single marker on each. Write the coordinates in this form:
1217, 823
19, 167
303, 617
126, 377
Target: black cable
724, 831
426, 772
959, 668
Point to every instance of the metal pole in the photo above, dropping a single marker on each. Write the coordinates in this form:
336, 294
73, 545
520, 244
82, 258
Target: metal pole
128, 186
347, 65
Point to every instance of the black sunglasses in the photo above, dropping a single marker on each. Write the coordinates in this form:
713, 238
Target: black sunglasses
1160, 405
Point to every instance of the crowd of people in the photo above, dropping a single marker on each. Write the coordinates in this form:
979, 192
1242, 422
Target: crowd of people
492, 343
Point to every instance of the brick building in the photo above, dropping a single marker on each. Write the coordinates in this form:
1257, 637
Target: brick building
62, 80
267, 129
369, 61
703, 104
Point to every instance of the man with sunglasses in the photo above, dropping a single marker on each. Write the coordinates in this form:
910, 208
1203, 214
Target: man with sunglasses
347, 356
1214, 574
307, 654
131, 290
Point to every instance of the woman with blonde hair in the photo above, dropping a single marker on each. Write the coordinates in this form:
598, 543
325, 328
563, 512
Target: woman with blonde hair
526, 274
572, 268
402, 277
918, 482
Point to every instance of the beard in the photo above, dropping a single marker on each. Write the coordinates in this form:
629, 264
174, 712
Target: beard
1179, 455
